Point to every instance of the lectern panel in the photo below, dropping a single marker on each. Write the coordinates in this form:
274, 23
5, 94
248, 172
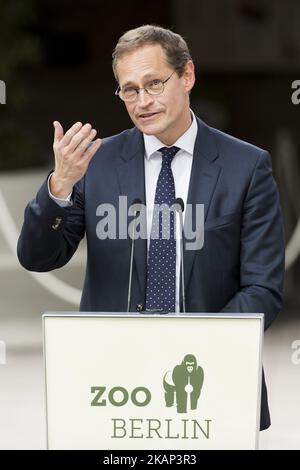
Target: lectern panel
152, 382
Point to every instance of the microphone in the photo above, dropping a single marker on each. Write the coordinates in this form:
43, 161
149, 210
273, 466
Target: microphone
179, 206
136, 201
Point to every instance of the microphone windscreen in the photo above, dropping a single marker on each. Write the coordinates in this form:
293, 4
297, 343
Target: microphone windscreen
136, 204
136, 201
179, 202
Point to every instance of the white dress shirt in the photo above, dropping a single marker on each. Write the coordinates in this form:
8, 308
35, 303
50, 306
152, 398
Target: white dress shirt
181, 168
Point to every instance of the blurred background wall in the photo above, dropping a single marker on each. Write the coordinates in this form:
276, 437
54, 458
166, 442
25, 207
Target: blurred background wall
55, 59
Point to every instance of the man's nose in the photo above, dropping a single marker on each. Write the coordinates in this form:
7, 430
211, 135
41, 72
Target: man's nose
144, 98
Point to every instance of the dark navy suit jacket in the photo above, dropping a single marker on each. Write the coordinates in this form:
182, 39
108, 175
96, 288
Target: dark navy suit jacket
240, 267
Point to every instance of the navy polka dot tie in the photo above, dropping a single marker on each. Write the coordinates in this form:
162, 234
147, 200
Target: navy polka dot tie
161, 270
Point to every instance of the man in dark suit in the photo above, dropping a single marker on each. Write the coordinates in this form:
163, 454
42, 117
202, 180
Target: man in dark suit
169, 153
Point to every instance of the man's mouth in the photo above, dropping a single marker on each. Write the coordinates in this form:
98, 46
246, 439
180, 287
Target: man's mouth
146, 116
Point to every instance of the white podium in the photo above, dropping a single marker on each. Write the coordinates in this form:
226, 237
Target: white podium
134, 381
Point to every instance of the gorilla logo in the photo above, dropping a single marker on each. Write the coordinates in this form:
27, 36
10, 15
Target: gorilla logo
187, 380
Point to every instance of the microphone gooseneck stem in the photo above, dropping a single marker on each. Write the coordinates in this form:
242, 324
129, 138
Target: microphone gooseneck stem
182, 262
131, 266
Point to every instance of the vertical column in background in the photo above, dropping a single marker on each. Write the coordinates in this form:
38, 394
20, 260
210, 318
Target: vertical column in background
2, 92
2, 353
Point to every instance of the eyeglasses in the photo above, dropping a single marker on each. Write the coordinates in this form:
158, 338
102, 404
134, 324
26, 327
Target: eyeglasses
153, 88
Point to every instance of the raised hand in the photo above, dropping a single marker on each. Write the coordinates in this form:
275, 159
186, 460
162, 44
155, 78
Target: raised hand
73, 152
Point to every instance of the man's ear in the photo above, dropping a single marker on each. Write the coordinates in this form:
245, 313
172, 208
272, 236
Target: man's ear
189, 75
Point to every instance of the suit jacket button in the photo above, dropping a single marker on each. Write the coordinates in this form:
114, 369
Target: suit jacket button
140, 307
56, 223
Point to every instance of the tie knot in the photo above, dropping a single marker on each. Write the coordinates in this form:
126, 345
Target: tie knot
168, 154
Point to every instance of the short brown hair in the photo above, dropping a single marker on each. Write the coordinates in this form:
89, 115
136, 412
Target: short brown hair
175, 47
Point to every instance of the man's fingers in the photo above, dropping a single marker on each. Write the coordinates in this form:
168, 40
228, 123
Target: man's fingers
58, 131
78, 138
92, 149
82, 147
70, 134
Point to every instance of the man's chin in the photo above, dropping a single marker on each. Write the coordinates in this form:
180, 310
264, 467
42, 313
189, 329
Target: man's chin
149, 130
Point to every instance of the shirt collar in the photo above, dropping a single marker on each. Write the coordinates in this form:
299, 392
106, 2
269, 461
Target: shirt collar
186, 142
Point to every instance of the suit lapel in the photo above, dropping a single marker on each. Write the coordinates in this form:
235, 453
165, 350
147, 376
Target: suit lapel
131, 177
203, 180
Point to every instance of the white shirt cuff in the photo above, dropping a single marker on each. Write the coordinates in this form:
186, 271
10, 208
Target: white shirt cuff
61, 202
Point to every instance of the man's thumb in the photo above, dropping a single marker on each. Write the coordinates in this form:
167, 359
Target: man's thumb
58, 131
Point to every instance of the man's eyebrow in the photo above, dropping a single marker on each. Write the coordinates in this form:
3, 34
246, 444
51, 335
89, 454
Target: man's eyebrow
146, 77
